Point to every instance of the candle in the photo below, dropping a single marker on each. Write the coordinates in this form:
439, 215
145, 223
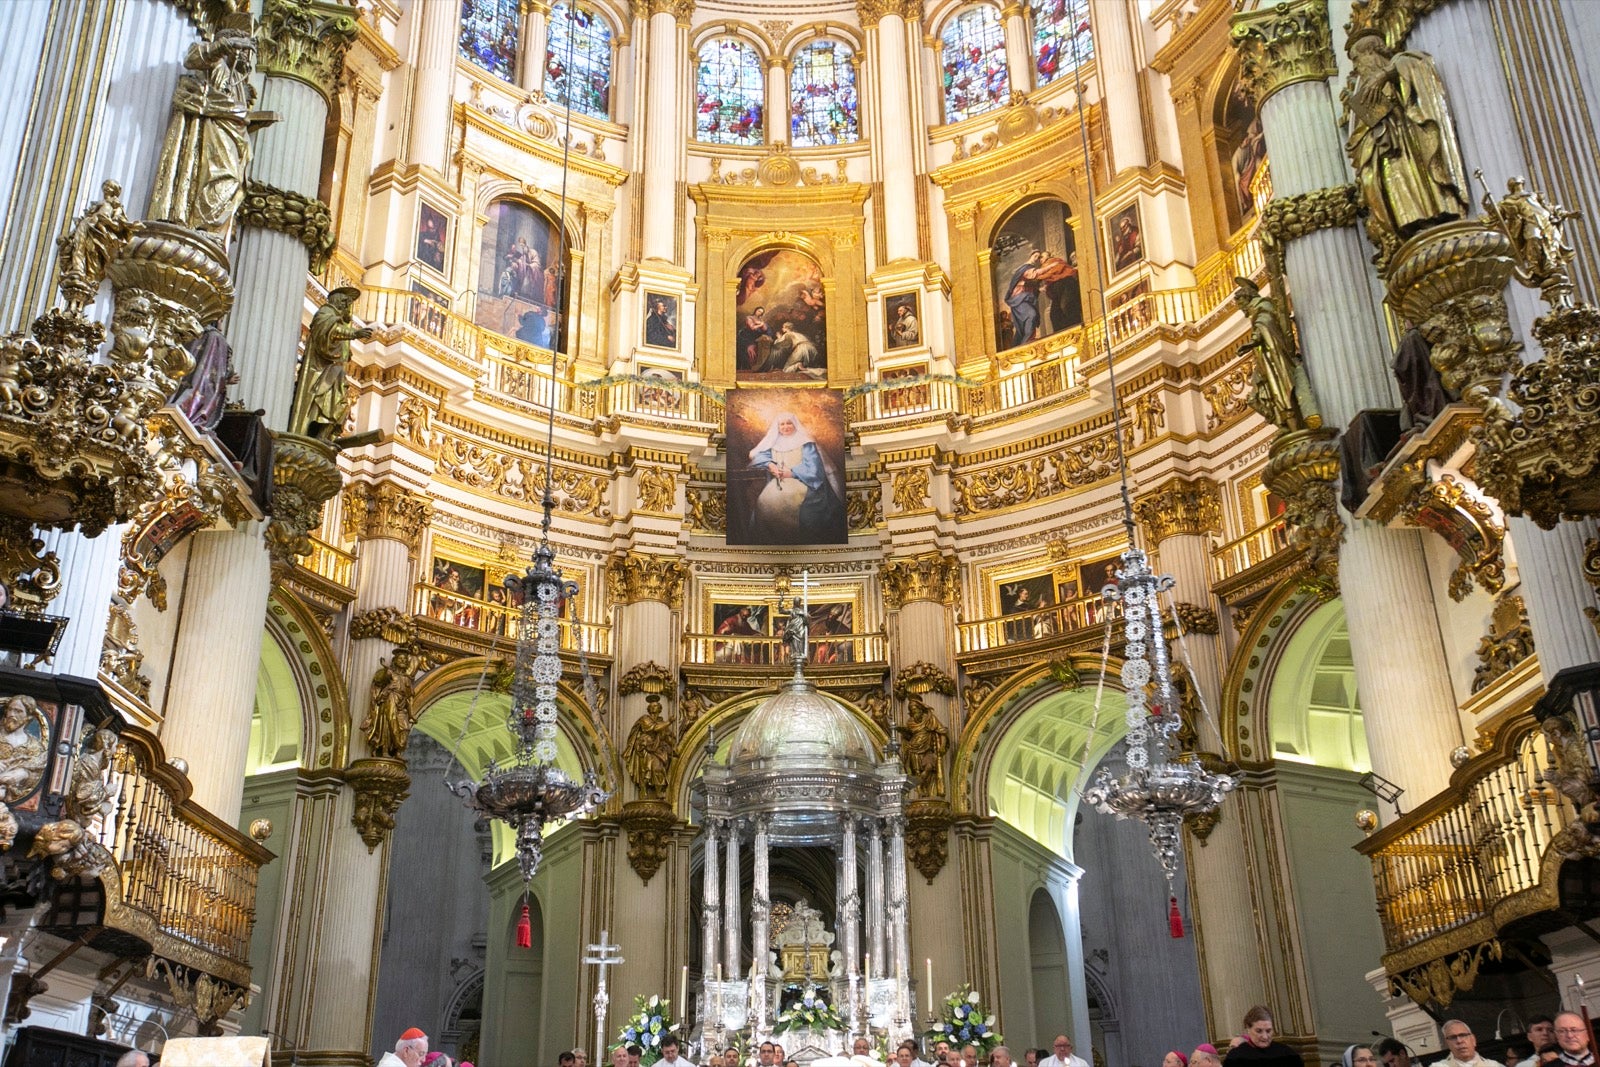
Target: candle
927, 991
867, 968
719, 972
683, 992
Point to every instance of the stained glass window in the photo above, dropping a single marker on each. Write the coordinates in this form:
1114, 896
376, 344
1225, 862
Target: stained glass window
730, 94
489, 34
1059, 27
823, 108
974, 57
585, 37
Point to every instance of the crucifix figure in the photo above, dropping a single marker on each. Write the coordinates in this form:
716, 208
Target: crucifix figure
602, 955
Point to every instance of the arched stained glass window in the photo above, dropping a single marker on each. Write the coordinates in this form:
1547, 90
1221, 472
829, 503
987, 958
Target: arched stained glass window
490, 32
1059, 27
730, 94
585, 37
823, 107
974, 57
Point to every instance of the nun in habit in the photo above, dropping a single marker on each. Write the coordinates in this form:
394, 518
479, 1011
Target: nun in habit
803, 500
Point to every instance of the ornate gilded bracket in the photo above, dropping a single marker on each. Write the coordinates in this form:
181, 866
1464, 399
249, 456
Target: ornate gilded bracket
305, 476
1303, 469
1508, 642
921, 678
1469, 525
648, 677
928, 823
380, 784
1436, 983
650, 825
208, 997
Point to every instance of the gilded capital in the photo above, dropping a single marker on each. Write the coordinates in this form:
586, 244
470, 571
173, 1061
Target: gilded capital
385, 511
871, 12
306, 40
681, 10
1283, 44
636, 576
1180, 506
929, 577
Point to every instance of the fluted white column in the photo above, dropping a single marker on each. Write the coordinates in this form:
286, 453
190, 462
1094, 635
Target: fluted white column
535, 44
433, 89
898, 905
1407, 699
710, 920
760, 920
211, 692
1019, 56
1187, 557
890, 44
1119, 83
875, 908
667, 56
89, 568
850, 898
732, 944
777, 100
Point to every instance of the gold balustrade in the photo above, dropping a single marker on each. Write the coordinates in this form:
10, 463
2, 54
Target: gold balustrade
333, 564
186, 881
1257, 546
754, 651
654, 399
503, 619
1452, 873
1042, 624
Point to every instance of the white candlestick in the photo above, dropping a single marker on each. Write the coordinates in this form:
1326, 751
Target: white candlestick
683, 992
927, 992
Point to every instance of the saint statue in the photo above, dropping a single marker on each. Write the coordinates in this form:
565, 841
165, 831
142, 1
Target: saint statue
92, 795
1402, 140
200, 176
387, 726
648, 752
95, 238
1533, 225
23, 754
1280, 389
319, 396
924, 741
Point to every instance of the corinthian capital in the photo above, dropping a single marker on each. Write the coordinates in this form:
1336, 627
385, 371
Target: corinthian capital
636, 576
681, 10
1283, 44
871, 11
1180, 506
385, 511
306, 40
928, 577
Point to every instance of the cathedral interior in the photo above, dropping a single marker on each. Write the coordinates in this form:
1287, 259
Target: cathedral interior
514, 508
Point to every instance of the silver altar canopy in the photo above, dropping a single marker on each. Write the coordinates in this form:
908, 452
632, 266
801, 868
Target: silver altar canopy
802, 771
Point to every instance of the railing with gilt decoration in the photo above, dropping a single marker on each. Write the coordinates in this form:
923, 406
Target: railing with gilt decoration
748, 650
187, 880
1257, 546
1042, 624
1466, 861
503, 619
654, 399
326, 561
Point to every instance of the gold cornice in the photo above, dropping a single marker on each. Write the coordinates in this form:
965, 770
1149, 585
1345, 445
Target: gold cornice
842, 194
306, 40
635, 576
387, 511
1281, 45
1033, 150
1180, 506
1184, 40
930, 577
588, 166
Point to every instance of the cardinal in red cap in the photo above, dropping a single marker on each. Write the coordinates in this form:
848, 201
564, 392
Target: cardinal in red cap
408, 1051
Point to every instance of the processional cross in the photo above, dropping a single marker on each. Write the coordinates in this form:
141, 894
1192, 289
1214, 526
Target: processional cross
602, 955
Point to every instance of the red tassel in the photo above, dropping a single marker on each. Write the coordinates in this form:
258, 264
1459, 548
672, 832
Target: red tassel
1174, 917
525, 929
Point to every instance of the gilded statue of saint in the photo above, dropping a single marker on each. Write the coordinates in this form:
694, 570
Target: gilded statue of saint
648, 752
1534, 226
23, 753
923, 743
319, 396
200, 176
387, 726
95, 238
1280, 389
1402, 139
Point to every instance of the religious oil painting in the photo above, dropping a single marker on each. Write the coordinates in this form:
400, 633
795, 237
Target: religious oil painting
24, 745
661, 320
517, 275
1097, 574
1023, 597
786, 467
429, 310
904, 398
1242, 146
902, 321
1033, 262
734, 624
1125, 238
433, 233
782, 329
831, 622
659, 391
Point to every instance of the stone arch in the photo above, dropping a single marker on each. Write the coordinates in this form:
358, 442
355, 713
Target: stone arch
735, 29
1243, 716
809, 32
1048, 959
547, 203
324, 712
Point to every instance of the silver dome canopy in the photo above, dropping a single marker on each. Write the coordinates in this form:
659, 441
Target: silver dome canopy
800, 724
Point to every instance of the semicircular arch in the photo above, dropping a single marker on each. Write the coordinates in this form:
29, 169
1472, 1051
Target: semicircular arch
733, 29
324, 710
809, 32
1245, 716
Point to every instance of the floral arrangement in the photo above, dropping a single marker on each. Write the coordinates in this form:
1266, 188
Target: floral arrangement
965, 1022
647, 1027
810, 1013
